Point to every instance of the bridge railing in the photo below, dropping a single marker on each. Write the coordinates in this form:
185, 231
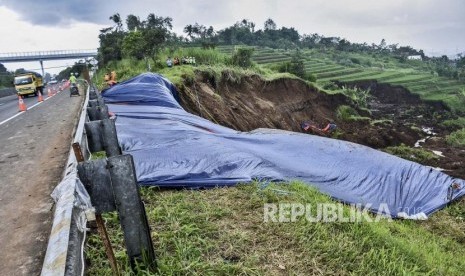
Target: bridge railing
47, 53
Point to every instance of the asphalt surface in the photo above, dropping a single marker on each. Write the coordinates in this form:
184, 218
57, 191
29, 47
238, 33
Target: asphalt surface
34, 147
9, 105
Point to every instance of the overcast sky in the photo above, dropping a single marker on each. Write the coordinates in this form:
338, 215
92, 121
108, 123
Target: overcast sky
437, 27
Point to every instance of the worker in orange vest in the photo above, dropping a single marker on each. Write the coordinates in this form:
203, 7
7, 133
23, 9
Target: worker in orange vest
110, 79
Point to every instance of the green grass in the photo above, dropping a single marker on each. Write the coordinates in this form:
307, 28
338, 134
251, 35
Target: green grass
454, 123
364, 75
344, 66
273, 60
340, 72
221, 232
414, 154
347, 113
410, 79
98, 155
208, 60
456, 138
381, 122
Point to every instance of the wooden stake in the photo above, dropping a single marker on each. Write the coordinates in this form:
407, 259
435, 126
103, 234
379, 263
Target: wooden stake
100, 223
106, 241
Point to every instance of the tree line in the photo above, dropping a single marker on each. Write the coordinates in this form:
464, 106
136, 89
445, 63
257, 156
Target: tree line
6, 77
143, 39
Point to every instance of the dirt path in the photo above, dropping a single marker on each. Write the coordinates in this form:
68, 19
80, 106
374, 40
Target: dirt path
33, 151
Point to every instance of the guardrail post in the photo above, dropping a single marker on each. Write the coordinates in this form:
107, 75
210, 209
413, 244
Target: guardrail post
93, 113
96, 180
92, 95
132, 212
92, 103
110, 138
100, 101
112, 185
97, 112
94, 136
101, 135
103, 112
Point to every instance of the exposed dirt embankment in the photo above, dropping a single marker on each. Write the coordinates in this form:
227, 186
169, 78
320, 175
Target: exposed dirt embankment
284, 104
253, 102
397, 103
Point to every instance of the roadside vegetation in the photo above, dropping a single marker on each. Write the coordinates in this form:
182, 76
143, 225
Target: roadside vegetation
6, 78
222, 231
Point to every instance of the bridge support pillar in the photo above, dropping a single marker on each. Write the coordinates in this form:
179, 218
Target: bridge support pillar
42, 67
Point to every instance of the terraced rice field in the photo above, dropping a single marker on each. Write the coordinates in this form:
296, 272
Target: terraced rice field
325, 69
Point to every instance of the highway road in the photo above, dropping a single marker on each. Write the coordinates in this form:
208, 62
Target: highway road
34, 147
9, 106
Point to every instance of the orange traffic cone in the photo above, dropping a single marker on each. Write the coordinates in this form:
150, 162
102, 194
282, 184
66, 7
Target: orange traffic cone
41, 99
22, 105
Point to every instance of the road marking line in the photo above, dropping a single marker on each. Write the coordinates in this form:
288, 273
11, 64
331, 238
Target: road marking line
17, 114
12, 117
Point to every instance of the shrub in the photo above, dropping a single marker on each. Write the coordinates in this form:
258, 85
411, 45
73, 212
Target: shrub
456, 138
455, 123
346, 113
296, 67
243, 57
358, 95
330, 86
355, 60
310, 77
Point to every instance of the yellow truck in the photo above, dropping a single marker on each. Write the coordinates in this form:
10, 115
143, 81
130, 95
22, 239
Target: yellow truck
28, 83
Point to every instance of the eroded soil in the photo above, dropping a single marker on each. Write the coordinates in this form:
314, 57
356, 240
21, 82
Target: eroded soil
285, 103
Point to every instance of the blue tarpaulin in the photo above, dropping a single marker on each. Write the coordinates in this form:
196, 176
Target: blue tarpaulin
173, 148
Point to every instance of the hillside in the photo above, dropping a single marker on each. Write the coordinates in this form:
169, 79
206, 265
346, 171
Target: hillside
333, 65
221, 231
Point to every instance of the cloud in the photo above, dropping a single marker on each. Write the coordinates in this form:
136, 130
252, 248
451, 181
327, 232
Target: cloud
64, 12
56, 13
408, 22
28, 37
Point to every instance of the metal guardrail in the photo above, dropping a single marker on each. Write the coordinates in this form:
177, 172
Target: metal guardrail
107, 185
65, 239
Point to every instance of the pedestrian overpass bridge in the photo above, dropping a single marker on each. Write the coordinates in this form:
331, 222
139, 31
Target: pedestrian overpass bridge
47, 55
